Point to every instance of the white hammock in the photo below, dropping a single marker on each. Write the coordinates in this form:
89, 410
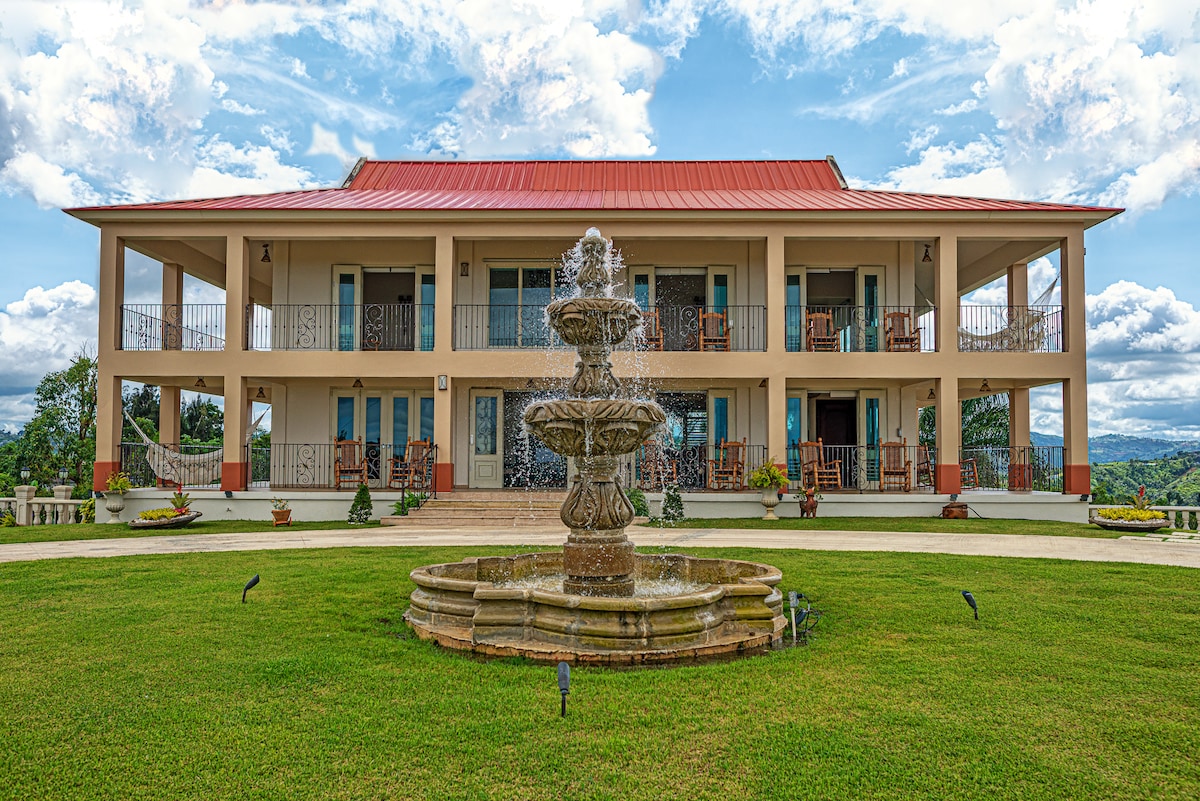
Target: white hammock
186, 469
1021, 330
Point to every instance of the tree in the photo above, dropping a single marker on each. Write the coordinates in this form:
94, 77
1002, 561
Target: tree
201, 422
142, 406
984, 423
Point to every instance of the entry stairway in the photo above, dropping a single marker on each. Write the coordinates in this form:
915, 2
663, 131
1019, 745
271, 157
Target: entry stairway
515, 508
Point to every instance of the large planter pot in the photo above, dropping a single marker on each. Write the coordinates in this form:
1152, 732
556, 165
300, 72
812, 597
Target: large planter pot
1133, 526
282, 517
114, 502
170, 522
769, 500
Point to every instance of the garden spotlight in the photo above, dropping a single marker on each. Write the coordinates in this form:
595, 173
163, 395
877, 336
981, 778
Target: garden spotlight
249, 584
564, 684
970, 599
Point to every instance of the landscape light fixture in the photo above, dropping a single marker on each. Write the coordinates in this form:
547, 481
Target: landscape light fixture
62, 475
24, 473
926, 258
564, 684
266, 259
249, 584
932, 396
970, 599
261, 395
984, 386
357, 383
200, 383
228, 493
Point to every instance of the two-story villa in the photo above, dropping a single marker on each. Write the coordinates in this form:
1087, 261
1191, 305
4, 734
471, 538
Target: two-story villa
783, 307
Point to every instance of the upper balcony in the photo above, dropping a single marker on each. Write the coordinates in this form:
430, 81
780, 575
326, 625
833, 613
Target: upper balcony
340, 327
664, 328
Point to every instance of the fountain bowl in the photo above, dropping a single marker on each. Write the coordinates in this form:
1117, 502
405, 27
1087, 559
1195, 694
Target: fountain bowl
584, 321
466, 606
594, 426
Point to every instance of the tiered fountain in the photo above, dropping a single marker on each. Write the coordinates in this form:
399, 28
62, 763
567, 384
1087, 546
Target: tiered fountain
585, 604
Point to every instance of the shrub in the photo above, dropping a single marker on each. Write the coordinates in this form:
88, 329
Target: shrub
8, 520
672, 505
87, 511
411, 500
118, 483
638, 499
1125, 513
165, 513
360, 507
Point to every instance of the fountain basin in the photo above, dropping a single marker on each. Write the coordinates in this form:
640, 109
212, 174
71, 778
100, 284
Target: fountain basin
460, 605
590, 321
594, 426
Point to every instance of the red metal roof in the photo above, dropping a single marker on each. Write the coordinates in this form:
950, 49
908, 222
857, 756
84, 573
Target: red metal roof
598, 186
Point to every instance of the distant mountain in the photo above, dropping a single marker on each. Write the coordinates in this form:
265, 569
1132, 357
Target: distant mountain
1122, 448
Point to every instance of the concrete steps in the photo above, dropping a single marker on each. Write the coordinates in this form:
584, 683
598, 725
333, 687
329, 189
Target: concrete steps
485, 509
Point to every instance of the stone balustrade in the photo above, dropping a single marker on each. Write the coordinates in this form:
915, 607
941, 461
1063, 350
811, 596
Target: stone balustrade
29, 510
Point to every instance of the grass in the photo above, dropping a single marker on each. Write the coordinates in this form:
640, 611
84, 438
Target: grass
974, 525
99, 531
145, 677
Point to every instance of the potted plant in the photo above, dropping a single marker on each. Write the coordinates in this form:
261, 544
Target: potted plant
281, 511
117, 485
771, 480
181, 502
1138, 517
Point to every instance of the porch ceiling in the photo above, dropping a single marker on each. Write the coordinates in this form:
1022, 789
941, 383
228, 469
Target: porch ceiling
981, 261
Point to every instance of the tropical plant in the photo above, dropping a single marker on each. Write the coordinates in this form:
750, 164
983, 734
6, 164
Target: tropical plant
1125, 513
411, 500
768, 475
181, 501
280, 504
165, 513
360, 507
118, 483
87, 511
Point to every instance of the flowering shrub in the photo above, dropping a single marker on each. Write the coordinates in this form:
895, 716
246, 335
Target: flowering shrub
1125, 513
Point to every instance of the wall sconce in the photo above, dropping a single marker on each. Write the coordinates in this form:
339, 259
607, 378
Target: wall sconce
443, 382
200, 383
984, 386
926, 258
932, 396
357, 383
762, 384
464, 268
261, 395
266, 257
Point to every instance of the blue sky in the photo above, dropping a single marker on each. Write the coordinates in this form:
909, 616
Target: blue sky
1087, 101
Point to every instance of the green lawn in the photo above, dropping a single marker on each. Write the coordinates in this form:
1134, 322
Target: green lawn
145, 677
974, 525
99, 531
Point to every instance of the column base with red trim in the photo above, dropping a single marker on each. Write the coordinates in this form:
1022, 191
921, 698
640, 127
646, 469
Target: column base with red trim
100, 473
948, 478
443, 476
234, 475
1077, 479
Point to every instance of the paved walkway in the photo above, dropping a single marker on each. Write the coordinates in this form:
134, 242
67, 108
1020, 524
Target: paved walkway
1144, 551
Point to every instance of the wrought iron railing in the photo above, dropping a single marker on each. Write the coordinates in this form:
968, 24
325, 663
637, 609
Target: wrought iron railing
135, 463
333, 326
173, 326
860, 329
1038, 468
668, 328
311, 465
862, 468
690, 466
1010, 329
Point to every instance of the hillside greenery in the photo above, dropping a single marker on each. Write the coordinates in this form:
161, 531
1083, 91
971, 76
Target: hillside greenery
1170, 480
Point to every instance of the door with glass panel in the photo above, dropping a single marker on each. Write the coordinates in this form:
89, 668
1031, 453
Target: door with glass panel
517, 300
486, 464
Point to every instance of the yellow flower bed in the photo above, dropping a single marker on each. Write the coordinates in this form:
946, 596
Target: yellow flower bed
1126, 513
158, 514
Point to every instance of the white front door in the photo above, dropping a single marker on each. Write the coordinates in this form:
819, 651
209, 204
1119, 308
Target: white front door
487, 438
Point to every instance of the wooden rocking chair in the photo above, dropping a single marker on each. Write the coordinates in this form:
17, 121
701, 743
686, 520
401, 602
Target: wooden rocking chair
652, 333
899, 334
728, 470
895, 468
823, 474
714, 331
657, 471
822, 336
412, 470
349, 466
924, 467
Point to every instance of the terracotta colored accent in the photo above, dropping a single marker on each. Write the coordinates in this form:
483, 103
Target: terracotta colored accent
443, 476
1077, 479
100, 473
234, 475
949, 479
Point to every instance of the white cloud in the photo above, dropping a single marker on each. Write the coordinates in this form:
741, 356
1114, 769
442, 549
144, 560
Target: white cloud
327, 143
235, 107
899, 69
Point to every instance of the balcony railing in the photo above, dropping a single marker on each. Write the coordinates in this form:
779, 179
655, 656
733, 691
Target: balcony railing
173, 326
668, 328
860, 329
1010, 329
344, 327
1038, 468
863, 468
136, 465
690, 464
310, 465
